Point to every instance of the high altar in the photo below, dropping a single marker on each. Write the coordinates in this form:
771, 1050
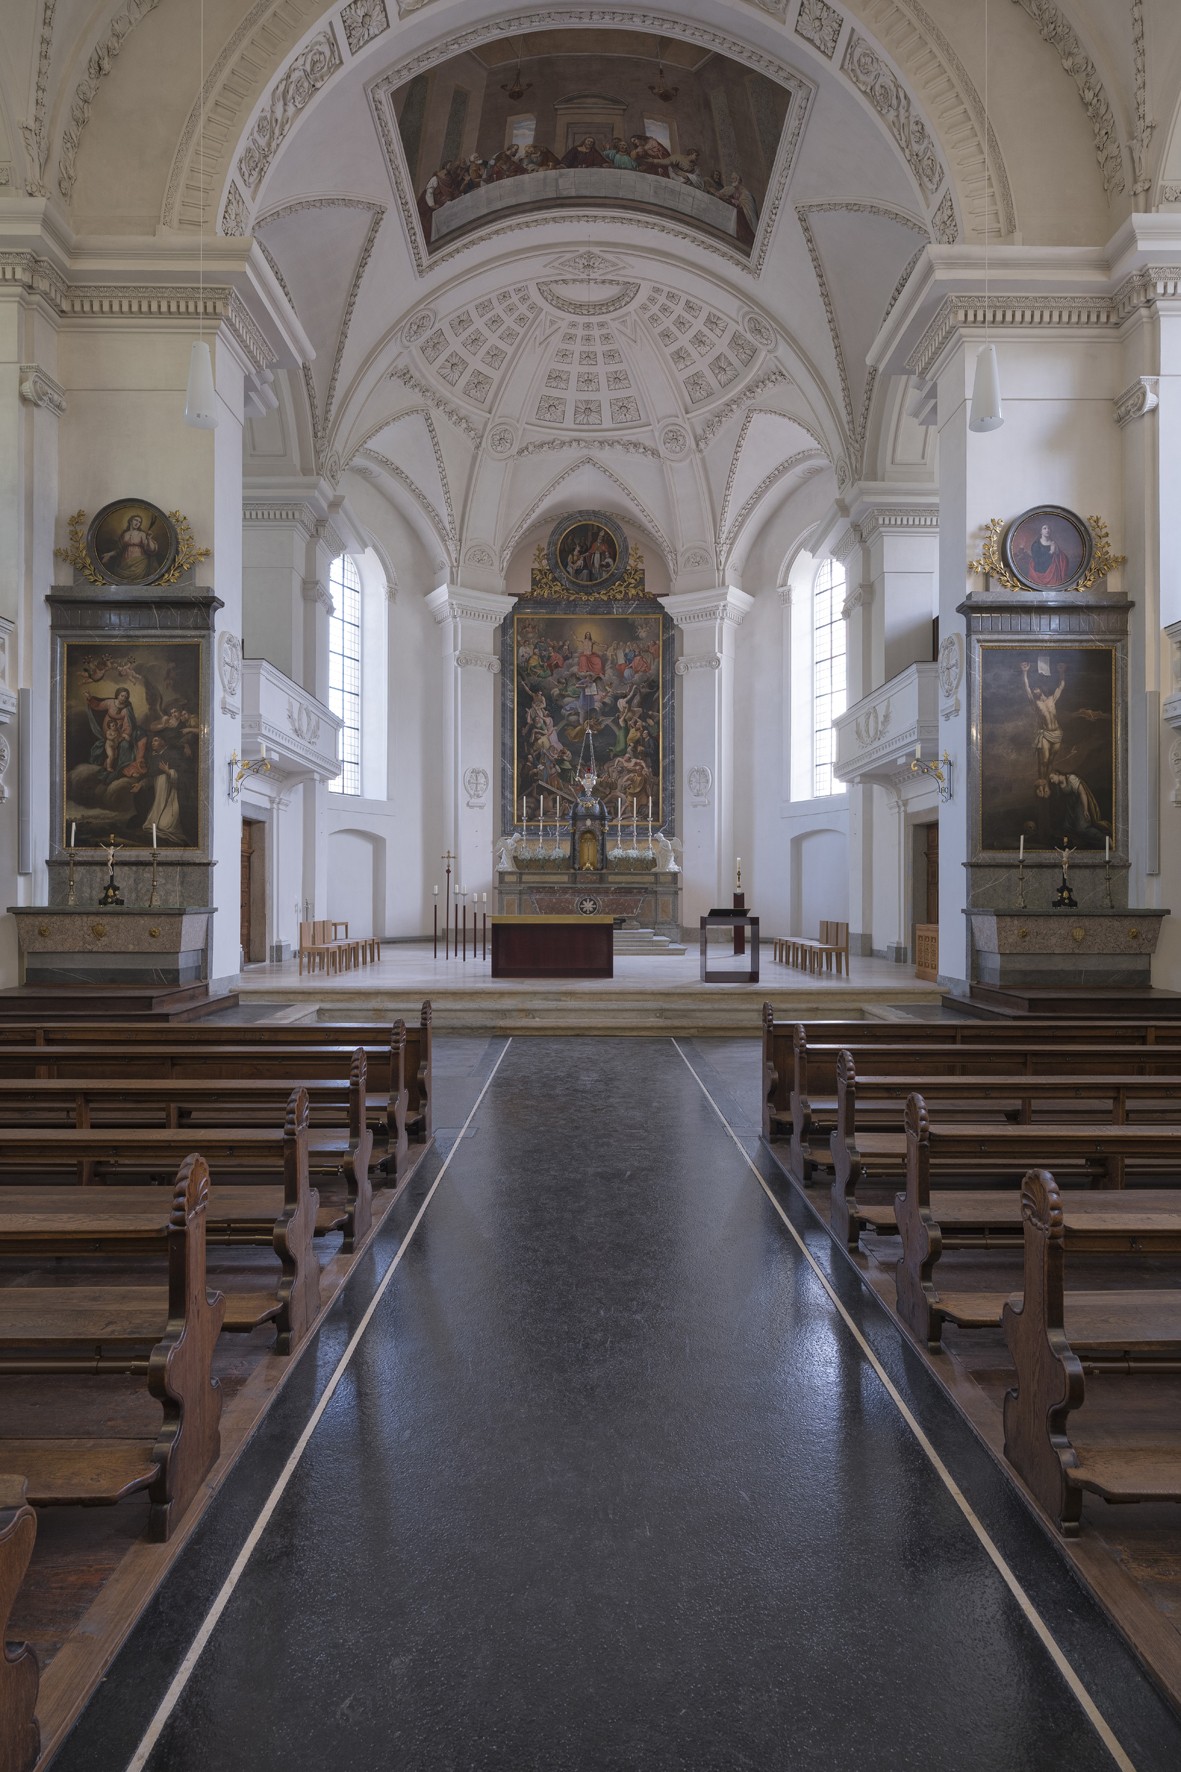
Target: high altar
588, 802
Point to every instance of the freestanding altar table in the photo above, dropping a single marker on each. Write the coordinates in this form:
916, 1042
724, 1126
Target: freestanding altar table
553, 947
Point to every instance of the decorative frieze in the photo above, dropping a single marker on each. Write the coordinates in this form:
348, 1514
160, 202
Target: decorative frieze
363, 20
306, 74
229, 670
1057, 30
881, 86
480, 661
820, 25
707, 662
102, 56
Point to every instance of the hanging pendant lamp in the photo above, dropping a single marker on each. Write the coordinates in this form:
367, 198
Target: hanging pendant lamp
987, 413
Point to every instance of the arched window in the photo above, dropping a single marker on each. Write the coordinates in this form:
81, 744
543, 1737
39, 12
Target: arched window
828, 673
344, 670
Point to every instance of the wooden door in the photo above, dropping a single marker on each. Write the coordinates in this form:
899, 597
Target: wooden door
247, 883
932, 851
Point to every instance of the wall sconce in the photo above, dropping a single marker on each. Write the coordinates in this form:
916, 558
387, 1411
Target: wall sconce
942, 772
240, 768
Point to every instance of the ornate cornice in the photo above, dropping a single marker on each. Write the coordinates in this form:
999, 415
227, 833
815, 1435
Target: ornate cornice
1057, 30
1075, 313
282, 512
455, 604
859, 598
1136, 401
37, 388
626, 446
897, 518
102, 55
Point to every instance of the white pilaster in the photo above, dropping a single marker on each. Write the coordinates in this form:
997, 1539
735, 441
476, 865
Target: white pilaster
709, 622
469, 623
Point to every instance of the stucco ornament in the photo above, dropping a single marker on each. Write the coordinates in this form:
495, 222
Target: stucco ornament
475, 782
699, 781
506, 853
951, 671
229, 669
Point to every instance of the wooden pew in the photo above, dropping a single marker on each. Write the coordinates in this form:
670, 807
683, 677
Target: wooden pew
1140, 1221
810, 1115
1047, 1330
111, 1220
882, 1148
164, 1334
286, 1034
173, 1055
197, 1105
20, 1738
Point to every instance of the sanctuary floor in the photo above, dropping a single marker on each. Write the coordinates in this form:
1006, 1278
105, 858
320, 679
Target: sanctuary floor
658, 994
605, 1458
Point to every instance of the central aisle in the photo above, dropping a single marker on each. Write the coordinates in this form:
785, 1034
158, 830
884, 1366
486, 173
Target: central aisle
610, 1484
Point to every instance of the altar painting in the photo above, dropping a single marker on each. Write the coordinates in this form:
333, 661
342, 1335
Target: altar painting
1047, 735
132, 743
583, 684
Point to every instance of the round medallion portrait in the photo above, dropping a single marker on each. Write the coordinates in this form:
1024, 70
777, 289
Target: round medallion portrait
587, 551
131, 542
1047, 549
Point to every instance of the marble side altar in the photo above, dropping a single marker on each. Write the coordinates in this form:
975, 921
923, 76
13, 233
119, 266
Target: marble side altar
82, 944
1065, 947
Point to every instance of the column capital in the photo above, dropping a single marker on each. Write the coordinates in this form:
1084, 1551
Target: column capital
456, 603
724, 603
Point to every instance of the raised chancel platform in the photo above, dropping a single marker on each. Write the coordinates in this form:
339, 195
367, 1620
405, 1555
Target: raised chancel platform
657, 994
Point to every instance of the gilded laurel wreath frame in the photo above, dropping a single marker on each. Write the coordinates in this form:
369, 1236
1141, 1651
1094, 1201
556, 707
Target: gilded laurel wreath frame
78, 554
992, 562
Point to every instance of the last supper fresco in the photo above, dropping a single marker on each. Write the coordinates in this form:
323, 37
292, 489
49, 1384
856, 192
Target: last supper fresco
658, 123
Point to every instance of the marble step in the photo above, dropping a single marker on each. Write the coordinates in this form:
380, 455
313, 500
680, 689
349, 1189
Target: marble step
645, 941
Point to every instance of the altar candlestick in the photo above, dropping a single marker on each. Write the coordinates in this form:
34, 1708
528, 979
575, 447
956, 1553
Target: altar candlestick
436, 954
524, 820
465, 926
633, 821
649, 809
484, 941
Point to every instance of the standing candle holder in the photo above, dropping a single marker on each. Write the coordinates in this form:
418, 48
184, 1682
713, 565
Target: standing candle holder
70, 880
1021, 884
152, 899
1107, 904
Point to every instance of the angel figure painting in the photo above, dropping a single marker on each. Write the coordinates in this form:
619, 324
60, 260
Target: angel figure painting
132, 742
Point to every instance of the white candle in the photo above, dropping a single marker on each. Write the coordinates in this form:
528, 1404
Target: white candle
1021, 851
633, 809
436, 892
1107, 848
619, 809
485, 898
649, 809
918, 751
73, 832
522, 809
153, 836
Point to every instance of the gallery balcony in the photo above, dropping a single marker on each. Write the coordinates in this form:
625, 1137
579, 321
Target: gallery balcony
876, 738
286, 723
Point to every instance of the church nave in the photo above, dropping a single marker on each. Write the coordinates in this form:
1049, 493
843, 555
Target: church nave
607, 1478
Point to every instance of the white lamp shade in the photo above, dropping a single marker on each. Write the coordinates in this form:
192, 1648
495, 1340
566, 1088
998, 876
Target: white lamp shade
200, 399
987, 413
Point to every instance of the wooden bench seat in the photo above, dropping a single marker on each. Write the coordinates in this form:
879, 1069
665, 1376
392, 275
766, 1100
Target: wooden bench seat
340, 1147
1045, 1329
802, 1105
131, 1037
170, 1344
877, 1102
20, 1678
281, 1216
1102, 1220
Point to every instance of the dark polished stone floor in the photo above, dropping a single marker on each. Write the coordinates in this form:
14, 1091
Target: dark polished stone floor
610, 1484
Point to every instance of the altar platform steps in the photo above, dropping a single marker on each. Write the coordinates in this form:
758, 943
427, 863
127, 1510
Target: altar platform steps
645, 941
1071, 1002
166, 1004
660, 995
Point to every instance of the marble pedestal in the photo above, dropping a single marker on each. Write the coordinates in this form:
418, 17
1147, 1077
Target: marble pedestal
1064, 947
84, 945
643, 900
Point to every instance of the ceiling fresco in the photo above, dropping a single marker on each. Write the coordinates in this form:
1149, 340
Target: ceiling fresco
599, 119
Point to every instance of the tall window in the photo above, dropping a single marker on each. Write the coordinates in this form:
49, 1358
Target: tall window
344, 670
828, 673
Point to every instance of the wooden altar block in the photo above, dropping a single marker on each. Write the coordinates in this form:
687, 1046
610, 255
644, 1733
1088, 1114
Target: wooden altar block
553, 947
